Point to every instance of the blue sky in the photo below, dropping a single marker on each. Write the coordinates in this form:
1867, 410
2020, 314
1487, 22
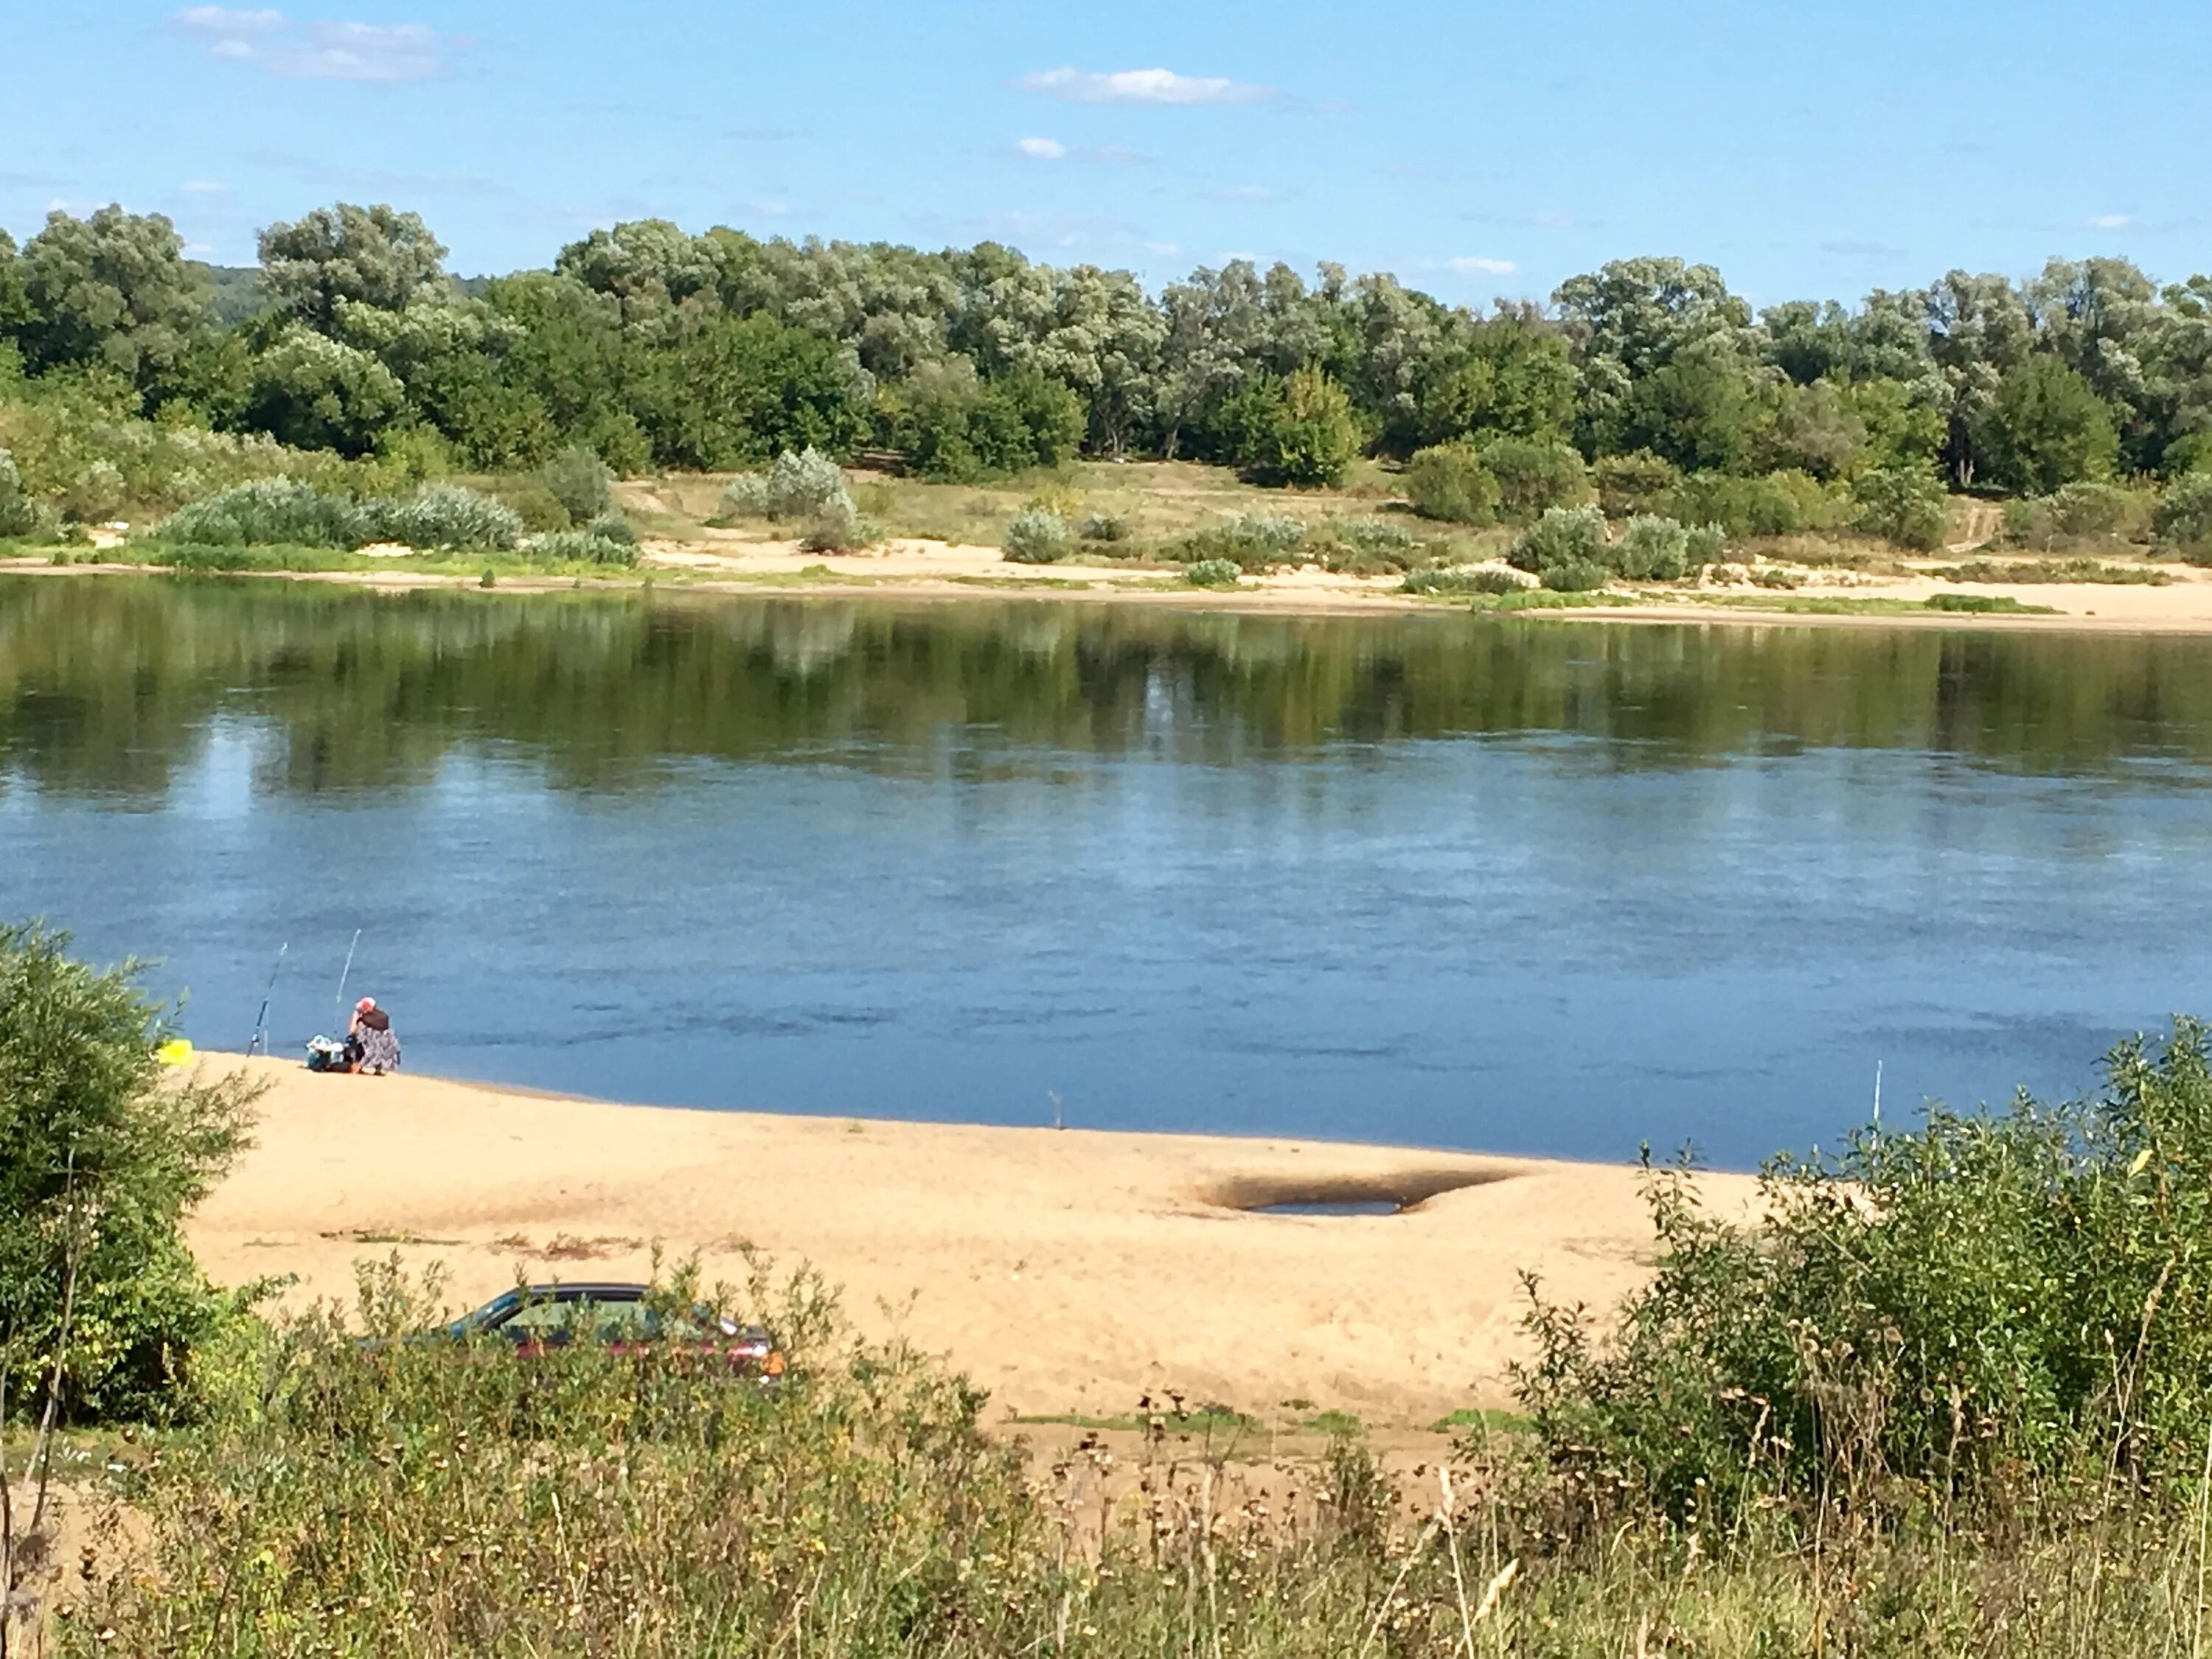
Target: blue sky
1810, 149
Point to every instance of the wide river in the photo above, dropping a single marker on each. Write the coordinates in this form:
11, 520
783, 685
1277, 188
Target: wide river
1525, 887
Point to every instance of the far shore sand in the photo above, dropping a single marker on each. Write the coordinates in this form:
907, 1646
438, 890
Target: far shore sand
1067, 1271
938, 571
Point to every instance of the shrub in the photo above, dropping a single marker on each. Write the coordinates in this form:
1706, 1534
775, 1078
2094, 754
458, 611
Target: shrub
1251, 541
613, 527
580, 547
801, 484
1450, 481
580, 481
1774, 575
1984, 1299
19, 512
1463, 581
1535, 477
1106, 527
1368, 547
1903, 504
1036, 536
838, 528
1574, 575
1703, 544
95, 495
1564, 535
2088, 510
1652, 549
2185, 516
266, 512
1296, 430
444, 515
1213, 573
539, 508
89, 1129
1633, 483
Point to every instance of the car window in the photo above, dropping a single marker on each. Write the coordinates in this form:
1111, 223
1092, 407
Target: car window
540, 1319
621, 1321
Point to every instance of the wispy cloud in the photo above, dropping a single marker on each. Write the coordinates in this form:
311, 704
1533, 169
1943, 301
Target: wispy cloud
204, 187
1846, 249
1477, 264
1144, 85
328, 50
2112, 222
1042, 149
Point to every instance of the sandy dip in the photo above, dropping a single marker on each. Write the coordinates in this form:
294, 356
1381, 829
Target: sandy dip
1066, 1271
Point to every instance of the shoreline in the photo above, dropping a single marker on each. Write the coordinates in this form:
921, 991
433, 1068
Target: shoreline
2182, 608
1067, 1271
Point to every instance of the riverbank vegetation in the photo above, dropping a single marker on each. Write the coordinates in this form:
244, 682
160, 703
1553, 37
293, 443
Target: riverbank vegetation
1947, 1394
2081, 399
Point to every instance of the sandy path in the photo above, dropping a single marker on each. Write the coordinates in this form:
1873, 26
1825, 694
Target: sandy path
1066, 1271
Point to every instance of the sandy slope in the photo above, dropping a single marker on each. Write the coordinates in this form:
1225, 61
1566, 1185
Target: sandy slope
1066, 1271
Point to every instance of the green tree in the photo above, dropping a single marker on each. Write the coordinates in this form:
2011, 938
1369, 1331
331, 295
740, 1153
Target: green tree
312, 269
2045, 427
1299, 430
1902, 504
111, 293
1450, 481
1535, 477
1515, 380
742, 389
101, 1158
315, 393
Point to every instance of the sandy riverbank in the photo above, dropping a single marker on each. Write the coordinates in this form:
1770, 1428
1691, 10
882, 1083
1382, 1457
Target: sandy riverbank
1067, 1271
914, 570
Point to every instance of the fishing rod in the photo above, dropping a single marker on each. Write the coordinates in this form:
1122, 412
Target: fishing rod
337, 1004
258, 1044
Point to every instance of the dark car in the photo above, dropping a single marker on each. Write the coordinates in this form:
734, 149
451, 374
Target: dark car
626, 1318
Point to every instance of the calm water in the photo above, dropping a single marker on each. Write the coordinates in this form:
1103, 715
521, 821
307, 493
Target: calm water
1540, 888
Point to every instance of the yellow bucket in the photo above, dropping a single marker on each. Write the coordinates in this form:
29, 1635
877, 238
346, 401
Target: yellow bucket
177, 1051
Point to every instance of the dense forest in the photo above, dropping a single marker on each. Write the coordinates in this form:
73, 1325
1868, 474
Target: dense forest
657, 348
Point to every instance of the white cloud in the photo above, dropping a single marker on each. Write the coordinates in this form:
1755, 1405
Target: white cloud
1553, 221
1471, 265
1146, 86
1164, 250
2112, 222
221, 21
1041, 149
770, 207
328, 50
204, 187
1247, 193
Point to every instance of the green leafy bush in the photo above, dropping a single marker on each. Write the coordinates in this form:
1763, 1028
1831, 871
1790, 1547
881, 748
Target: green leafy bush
2185, 516
1564, 535
1298, 429
1985, 1301
101, 1158
1463, 581
580, 547
1534, 476
1251, 541
838, 528
1106, 527
1632, 484
1772, 504
18, 513
1574, 575
1652, 549
443, 515
1903, 504
1450, 481
267, 512
580, 481
800, 485
613, 527
1037, 536
1703, 544
1213, 573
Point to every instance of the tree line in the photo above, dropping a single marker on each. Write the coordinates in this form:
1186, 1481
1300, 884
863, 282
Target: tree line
656, 348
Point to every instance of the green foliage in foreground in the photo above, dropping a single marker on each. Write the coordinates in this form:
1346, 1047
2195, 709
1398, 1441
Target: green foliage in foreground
286, 512
101, 1157
2000, 1309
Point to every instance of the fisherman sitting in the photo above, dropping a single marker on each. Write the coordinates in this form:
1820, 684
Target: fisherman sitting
371, 1046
